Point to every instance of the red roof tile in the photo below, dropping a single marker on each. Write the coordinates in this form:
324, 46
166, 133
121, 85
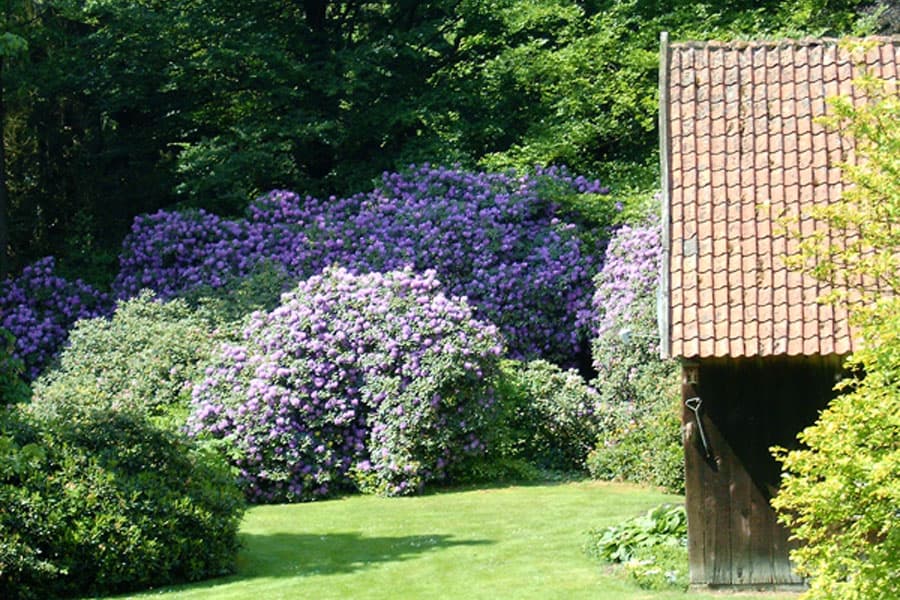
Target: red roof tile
744, 150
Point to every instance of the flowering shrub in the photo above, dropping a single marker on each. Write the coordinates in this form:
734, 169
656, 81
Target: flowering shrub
378, 381
39, 307
144, 359
628, 281
645, 446
494, 238
626, 342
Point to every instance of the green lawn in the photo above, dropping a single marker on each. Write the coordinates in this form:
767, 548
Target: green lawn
510, 542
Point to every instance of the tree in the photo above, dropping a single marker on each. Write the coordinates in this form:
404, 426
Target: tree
124, 107
840, 494
12, 45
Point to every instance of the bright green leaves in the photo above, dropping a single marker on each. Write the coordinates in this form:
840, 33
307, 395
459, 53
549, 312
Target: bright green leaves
840, 494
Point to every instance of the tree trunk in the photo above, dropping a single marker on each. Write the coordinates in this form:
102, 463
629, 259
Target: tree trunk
315, 11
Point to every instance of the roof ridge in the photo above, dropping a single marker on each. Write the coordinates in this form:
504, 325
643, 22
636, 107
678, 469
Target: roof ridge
779, 43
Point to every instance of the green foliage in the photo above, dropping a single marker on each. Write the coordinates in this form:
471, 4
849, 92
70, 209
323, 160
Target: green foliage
665, 525
840, 492
102, 502
549, 418
864, 262
660, 567
228, 305
13, 388
645, 444
143, 360
120, 108
644, 448
12, 44
652, 548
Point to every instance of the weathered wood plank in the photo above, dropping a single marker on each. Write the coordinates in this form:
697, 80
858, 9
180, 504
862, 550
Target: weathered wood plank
762, 524
749, 406
719, 491
740, 493
695, 484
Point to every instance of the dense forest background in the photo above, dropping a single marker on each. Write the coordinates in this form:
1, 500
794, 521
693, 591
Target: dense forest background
112, 108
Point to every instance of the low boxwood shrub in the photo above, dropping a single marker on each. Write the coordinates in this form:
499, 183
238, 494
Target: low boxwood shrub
549, 417
103, 502
378, 382
145, 359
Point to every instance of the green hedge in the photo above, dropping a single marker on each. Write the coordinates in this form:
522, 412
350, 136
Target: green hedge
549, 419
103, 502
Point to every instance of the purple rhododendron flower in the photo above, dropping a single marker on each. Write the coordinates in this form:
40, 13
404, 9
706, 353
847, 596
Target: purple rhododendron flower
493, 238
337, 387
39, 308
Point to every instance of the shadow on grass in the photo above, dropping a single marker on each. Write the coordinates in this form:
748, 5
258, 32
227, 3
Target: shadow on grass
303, 555
298, 555
544, 479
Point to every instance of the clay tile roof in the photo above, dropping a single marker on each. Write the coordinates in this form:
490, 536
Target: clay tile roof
741, 150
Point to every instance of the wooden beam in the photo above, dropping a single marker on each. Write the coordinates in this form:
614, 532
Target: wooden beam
662, 294
694, 483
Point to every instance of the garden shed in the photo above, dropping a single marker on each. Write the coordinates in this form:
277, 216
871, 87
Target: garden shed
742, 157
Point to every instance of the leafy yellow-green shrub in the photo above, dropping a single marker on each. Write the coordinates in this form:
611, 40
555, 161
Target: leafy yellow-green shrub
841, 495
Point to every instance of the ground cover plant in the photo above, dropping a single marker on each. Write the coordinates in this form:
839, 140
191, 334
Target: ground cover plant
377, 382
652, 548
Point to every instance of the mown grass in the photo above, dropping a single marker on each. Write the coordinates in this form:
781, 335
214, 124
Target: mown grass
518, 542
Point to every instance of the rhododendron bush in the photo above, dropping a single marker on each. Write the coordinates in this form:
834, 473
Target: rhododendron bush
39, 307
494, 238
378, 381
645, 445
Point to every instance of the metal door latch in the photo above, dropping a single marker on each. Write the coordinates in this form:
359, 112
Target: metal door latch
693, 405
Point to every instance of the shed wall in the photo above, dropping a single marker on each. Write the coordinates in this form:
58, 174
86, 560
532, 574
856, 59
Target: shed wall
748, 406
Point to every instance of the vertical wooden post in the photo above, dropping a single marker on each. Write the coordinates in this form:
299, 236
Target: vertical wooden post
662, 298
693, 475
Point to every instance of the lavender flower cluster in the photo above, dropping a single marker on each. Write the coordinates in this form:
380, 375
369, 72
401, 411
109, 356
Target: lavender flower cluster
375, 381
39, 307
629, 277
493, 238
625, 298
